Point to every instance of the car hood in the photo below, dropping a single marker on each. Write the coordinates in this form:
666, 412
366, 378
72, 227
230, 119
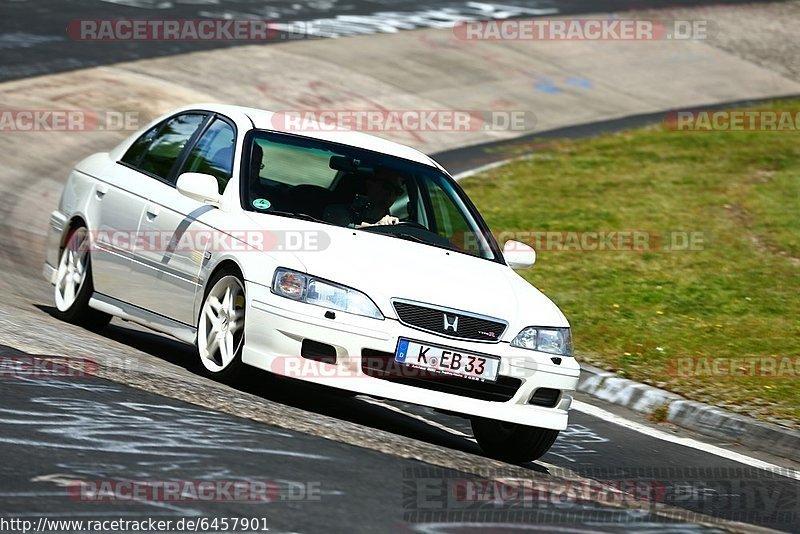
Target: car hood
386, 267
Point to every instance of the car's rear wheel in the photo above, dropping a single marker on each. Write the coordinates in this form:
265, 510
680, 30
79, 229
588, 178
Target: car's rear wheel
512, 442
220, 328
73, 284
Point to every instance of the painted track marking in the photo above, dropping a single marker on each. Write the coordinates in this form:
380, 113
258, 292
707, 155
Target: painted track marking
610, 417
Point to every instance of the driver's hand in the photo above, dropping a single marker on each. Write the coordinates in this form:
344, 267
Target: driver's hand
387, 219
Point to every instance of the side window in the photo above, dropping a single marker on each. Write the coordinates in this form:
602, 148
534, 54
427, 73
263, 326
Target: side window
134, 154
213, 153
446, 216
168, 143
449, 222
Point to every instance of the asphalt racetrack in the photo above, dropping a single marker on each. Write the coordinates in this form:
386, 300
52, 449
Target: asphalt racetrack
34, 39
329, 463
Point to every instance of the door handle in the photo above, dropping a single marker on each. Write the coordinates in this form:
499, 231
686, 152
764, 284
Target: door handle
101, 191
152, 211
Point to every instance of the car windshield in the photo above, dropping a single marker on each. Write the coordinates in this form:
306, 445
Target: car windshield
356, 188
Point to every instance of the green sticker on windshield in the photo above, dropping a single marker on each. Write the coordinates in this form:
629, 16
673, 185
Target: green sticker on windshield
262, 204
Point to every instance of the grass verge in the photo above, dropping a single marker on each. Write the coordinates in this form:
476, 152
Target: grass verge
663, 313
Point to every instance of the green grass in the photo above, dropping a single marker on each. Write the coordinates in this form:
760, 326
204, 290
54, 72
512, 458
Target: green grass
636, 312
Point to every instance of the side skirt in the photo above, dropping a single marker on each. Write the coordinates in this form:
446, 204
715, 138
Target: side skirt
151, 320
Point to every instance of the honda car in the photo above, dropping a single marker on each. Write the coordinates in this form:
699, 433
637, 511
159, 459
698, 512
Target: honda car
323, 255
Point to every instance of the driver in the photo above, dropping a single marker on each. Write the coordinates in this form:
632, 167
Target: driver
382, 191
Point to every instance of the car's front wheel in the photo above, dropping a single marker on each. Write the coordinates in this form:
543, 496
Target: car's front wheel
220, 329
73, 284
512, 442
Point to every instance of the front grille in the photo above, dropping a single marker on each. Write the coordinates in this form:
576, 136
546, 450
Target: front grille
378, 364
458, 324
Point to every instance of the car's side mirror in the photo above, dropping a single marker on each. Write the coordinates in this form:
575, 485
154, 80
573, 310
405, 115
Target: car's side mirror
518, 255
200, 187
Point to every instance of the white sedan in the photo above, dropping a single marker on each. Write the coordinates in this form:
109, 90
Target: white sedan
333, 257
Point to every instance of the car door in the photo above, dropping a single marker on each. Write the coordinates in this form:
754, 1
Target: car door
186, 225
119, 202
152, 162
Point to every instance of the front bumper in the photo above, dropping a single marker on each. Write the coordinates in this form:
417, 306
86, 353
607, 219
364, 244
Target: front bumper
276, 328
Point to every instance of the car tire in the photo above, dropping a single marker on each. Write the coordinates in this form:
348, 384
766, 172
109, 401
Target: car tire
73, 284
220, 327
511, 442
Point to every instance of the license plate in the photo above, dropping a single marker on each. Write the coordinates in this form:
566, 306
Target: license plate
447, 361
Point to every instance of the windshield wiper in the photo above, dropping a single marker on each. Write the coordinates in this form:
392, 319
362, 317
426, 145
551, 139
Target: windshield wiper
409, 237
295, 215
405, 235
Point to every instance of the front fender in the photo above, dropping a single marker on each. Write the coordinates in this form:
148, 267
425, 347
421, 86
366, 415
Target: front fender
255, 265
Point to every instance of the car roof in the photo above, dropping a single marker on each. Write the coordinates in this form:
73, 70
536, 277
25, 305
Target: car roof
263, 120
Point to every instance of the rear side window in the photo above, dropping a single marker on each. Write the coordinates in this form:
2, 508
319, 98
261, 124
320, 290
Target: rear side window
158, 149
213, 153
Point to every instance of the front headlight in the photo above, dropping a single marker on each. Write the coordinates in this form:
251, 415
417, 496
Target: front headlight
544, 339
305, 288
